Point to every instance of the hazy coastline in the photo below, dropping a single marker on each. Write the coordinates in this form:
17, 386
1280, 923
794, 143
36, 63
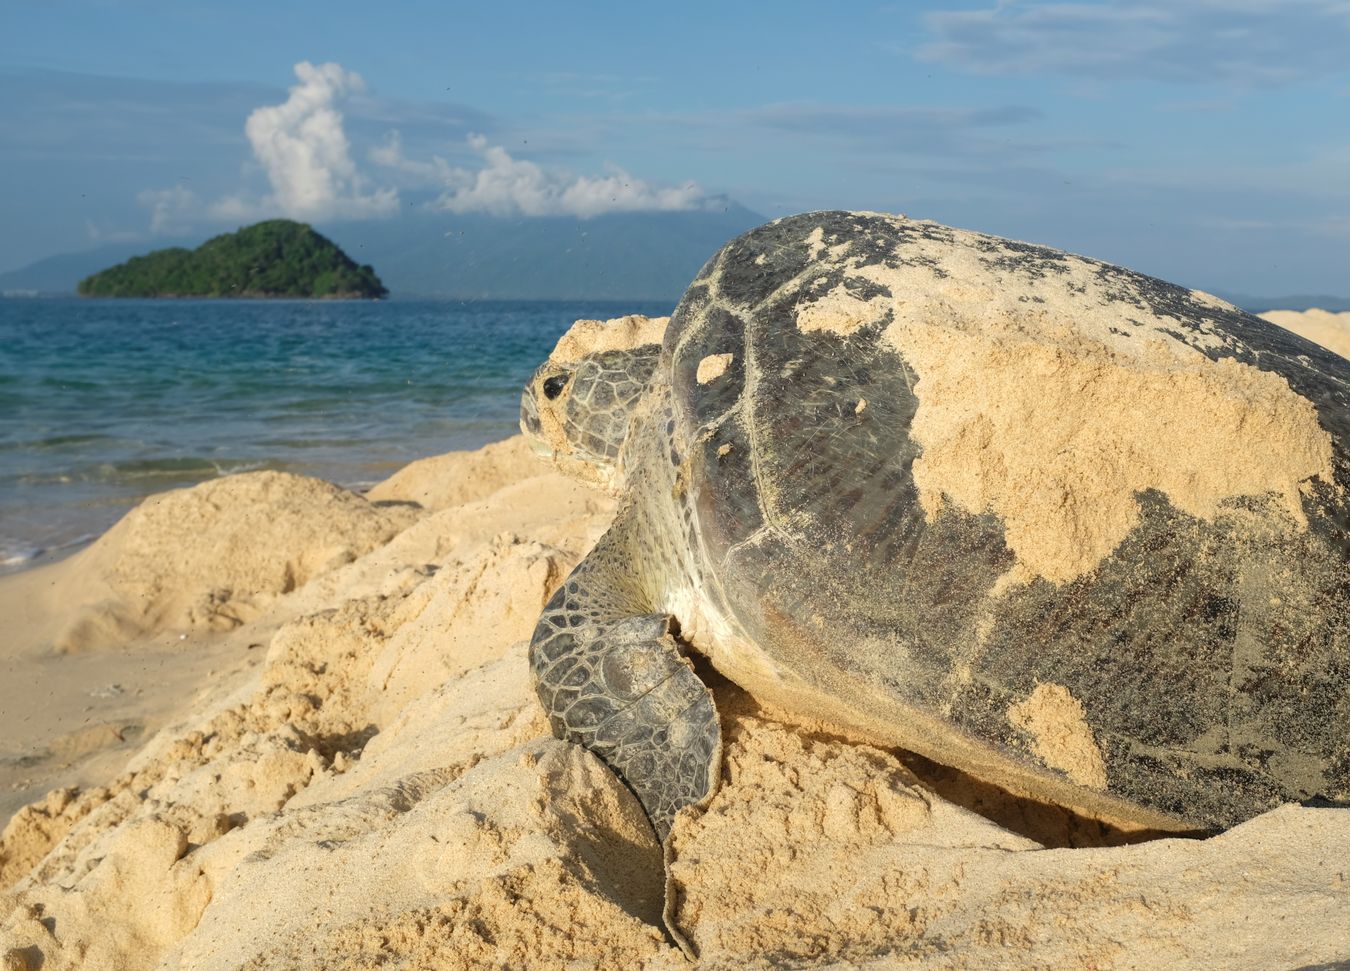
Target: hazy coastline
116, 400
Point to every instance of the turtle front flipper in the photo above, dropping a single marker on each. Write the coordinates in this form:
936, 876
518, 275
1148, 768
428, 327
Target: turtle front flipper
611, 677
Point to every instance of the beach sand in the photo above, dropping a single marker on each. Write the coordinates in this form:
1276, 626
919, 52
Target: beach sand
265, 723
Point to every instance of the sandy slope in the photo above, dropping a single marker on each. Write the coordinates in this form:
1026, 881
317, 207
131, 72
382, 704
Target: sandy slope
379, 788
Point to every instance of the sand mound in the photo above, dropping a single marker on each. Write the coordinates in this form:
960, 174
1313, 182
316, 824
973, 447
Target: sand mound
537, 851
215, 555
459, 477
284, 761
1331, 330
381, 791
816, 851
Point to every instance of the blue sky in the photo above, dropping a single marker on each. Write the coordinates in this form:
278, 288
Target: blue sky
1203, 141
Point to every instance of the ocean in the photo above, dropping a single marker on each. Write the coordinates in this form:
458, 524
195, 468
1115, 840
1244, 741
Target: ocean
103, 402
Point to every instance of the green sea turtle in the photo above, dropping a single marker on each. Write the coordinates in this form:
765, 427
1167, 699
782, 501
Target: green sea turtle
1071, 529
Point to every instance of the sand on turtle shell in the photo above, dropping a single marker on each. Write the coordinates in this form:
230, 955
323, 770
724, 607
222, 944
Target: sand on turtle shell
382, 791
1060, 734
587, 337
1038, 402
712, 367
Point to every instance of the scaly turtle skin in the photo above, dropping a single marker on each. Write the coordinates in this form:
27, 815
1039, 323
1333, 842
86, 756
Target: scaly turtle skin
1196, 675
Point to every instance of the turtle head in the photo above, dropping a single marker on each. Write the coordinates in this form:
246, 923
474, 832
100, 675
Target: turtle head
577, 407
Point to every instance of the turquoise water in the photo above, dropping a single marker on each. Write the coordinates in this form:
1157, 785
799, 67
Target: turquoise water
104, 402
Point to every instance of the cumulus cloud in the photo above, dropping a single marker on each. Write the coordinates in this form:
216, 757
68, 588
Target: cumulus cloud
172, 211
390, 155
506, 186
1244, 42
104, 233
302, 149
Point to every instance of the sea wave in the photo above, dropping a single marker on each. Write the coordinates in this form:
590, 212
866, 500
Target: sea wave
16, 553
48, 442
151, 471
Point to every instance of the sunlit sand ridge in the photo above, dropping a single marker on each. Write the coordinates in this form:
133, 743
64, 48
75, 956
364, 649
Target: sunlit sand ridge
373, 784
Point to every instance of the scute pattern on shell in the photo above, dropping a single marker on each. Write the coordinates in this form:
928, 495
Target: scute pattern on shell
1211, 658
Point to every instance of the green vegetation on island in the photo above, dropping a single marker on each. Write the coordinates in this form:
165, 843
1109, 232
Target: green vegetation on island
276, 258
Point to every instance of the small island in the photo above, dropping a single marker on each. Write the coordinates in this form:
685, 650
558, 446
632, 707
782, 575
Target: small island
276, 258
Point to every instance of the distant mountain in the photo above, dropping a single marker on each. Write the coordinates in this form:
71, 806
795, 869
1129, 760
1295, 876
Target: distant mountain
62, 273
275, 258
622, 256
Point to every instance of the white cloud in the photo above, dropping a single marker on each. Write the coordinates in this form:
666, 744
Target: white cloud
104, 233
172, 211
506, 186
301, 146
1240, 42
303, 150
436, 172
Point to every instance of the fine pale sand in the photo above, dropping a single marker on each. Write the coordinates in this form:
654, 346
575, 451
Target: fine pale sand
993, 360
337, 762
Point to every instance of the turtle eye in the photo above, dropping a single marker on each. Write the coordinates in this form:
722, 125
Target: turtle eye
553, 386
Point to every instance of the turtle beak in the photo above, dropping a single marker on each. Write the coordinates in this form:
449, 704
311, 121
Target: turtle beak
546, 386
529, 414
